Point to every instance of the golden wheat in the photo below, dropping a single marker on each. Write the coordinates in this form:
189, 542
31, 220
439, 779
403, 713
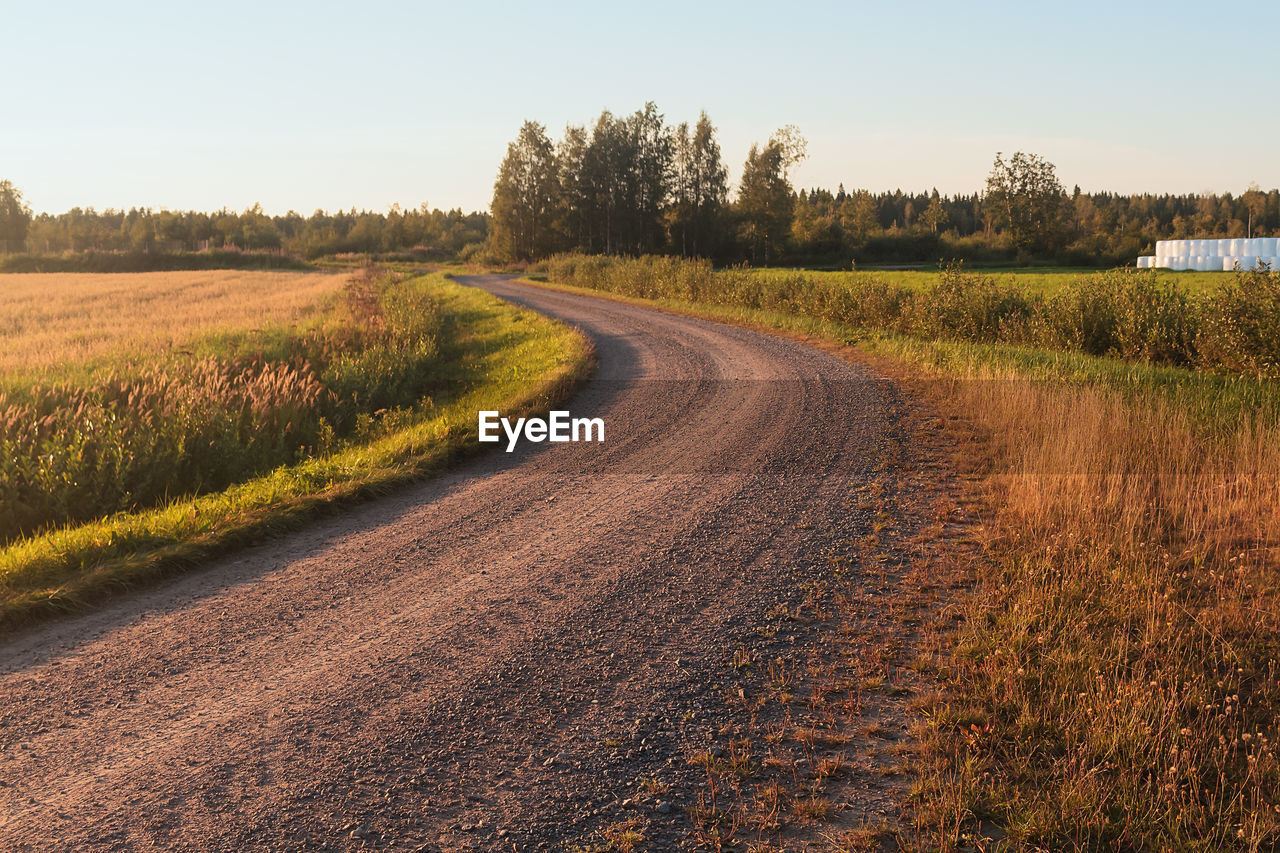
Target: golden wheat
51, 319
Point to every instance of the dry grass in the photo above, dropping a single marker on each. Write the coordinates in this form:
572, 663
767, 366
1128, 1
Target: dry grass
51, 319
1116, 680
144, 426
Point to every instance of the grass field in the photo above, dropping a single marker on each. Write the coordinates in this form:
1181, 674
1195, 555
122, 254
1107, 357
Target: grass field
68, 320
1032, 281
1113, 682
157, 456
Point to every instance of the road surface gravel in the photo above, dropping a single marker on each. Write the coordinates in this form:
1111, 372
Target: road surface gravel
489, 660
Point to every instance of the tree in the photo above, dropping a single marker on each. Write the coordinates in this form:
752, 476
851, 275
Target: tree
651, 172
1255, 201
525, 196
607, 181
766, 201
576, 198
935, 214
15, 218
699, 188
1025, 197
858, 217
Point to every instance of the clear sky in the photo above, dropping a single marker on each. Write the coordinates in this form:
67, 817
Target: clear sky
319, 104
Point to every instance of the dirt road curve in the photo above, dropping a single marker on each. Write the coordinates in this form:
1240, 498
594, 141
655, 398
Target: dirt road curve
486, 661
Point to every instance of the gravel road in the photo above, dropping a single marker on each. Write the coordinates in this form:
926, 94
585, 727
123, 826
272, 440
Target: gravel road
489, 660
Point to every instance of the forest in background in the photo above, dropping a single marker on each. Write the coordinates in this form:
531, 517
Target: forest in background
636, 185
422, 231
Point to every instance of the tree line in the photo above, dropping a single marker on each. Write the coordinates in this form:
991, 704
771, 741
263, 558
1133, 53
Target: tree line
635, 185
432, 232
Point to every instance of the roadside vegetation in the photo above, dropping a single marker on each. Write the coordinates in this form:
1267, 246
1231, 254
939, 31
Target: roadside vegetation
173, 438
1124, 313
1113, 681
1031, 281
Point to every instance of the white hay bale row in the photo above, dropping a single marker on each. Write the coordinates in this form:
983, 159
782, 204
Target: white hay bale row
1206, 255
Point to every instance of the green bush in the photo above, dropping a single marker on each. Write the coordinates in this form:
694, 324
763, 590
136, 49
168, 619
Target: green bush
1122, 313
1241, 331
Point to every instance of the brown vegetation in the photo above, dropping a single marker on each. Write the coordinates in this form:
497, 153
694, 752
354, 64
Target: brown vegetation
50, 319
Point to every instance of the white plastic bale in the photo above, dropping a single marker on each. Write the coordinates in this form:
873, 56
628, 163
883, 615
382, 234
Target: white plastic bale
1162, 249
1228, 263
1267, 247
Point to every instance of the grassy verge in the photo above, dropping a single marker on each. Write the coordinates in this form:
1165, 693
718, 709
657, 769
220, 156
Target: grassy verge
493, 356
1114, 679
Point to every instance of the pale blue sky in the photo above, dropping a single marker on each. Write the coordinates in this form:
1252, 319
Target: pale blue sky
306, 105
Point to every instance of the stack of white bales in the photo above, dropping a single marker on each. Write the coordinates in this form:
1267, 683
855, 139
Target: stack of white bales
1213, 255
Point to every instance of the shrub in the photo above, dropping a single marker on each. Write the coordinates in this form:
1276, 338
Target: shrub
1241, 331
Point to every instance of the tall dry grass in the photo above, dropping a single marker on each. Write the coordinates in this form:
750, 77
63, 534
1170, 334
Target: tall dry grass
53, 319
1117, 678
148, 426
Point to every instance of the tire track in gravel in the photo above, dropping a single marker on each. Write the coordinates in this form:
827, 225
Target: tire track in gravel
482, 661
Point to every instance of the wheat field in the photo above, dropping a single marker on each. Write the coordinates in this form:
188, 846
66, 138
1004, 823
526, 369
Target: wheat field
55, 319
